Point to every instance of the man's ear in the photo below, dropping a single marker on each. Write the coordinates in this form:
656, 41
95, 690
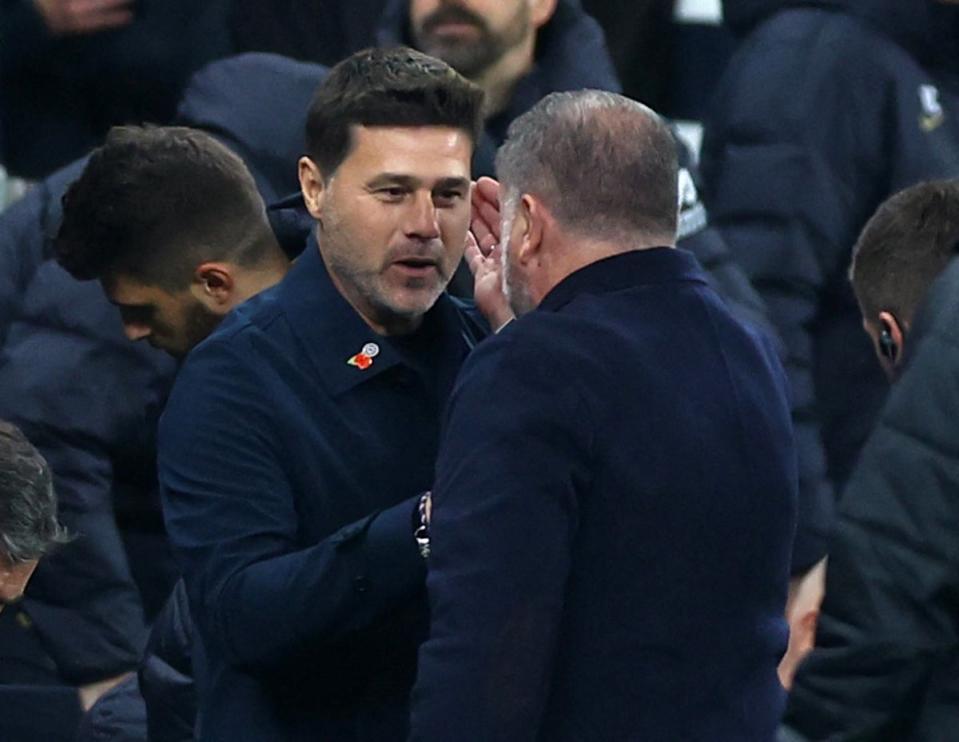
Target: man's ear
891, 338
312, 186
215, 286
541, 11
534, 218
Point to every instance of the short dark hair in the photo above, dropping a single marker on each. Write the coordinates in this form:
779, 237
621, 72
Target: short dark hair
387, 87
153, 202
604, 164
904, 247
28, 505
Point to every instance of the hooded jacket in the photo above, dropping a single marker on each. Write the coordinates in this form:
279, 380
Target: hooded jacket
827, 108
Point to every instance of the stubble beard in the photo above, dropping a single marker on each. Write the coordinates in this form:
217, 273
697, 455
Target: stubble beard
471, 59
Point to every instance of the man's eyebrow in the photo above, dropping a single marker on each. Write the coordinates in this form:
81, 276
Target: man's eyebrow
394, 179
446, 184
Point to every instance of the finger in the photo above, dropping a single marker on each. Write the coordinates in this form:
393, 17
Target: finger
97, 7
490, 216
474, 258
487, 189
104, 22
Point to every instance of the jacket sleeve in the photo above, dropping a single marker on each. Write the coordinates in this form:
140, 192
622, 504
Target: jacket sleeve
27, 229
504, 517
255, 592
166, 673
888, 627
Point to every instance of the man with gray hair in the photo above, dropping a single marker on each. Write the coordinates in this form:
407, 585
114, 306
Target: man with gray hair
28, 512
615, 494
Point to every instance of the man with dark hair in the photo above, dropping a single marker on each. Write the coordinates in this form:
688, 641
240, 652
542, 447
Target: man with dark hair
615, 499
299, 436
901, 251
171, 223
885, 666
28, 512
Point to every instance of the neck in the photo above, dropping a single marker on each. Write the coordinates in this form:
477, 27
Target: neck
252, 282
575, 254
499, 79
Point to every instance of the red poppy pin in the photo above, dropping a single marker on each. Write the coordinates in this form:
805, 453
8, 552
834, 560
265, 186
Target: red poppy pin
364, 359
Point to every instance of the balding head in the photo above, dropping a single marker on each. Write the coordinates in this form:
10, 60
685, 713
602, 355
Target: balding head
604, 165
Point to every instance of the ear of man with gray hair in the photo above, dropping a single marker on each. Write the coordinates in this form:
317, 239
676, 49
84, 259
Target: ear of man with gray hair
28, 512
583, 175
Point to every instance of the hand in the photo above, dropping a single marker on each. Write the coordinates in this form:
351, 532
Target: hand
484, 255
90, 694
68, 17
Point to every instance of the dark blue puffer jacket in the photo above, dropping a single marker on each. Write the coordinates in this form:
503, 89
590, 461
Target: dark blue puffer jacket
827, 107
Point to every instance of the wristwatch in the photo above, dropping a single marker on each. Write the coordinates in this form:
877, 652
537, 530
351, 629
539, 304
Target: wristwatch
421, 525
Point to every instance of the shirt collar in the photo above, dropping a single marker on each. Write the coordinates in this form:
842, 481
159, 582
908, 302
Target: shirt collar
623, 271
332, 332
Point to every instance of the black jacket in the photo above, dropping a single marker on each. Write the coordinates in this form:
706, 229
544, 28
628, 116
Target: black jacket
886, 666
59, 95
828, 107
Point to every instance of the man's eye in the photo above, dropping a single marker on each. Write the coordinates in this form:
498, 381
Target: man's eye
392, 193
448, 197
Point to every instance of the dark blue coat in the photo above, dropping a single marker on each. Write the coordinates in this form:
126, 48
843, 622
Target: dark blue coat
612, 522
289, 479
827, 108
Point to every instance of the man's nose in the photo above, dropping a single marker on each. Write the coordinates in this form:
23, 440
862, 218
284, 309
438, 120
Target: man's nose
422, 219
136, 330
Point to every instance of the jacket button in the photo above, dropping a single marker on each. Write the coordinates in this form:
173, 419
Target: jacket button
361, 584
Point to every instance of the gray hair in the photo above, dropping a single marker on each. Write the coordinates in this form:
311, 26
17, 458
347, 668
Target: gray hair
28, 504
605, 165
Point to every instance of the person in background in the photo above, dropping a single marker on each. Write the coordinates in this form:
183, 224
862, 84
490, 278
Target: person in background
29, 529
886, 665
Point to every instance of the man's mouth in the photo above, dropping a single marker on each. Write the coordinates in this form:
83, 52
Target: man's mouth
416, 266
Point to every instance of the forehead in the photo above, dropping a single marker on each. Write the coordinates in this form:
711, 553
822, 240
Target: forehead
123, 289
422, 152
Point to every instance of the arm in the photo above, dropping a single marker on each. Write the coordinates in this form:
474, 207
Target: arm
255, 591
504, 516
888, 623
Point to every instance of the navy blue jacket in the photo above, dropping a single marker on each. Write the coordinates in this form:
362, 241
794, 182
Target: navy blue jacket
289, 481
571, 54
828, 107
612, 522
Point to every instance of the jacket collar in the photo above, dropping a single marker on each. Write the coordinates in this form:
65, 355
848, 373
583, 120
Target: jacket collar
624, 271
332, 332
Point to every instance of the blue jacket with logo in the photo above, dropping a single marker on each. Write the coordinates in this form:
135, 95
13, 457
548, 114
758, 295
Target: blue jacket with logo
827, 108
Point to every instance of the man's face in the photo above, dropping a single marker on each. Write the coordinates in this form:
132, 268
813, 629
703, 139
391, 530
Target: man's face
515, 281
469, 35
171, 321
13, 579
393, 220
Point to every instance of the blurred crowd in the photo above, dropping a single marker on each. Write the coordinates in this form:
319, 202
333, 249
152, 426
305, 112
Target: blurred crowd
822, 208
